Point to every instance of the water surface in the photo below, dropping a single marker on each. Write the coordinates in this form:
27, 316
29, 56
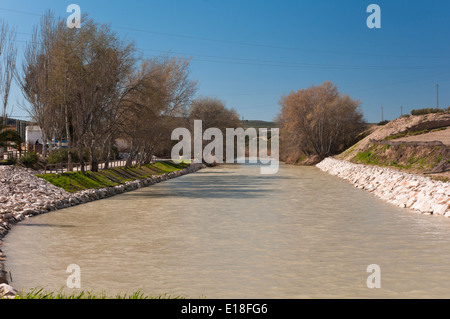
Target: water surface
229, 232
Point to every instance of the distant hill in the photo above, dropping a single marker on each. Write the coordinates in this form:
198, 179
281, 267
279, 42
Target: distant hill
258, 124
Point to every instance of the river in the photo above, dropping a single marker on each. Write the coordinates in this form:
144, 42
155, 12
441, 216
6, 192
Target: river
230, 232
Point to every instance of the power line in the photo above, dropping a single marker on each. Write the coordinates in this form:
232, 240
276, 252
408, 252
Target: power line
301, 65
22, 12
271, 46
193, 37
437, 95
417, 77
271, 63
256, 62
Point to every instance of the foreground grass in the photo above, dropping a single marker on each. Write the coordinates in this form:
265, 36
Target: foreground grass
41, 294
78, 181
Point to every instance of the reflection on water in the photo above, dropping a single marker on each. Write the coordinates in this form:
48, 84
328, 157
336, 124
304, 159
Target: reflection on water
229, 232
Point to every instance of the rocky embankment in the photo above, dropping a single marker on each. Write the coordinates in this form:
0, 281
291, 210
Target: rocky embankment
22, 195
401, 125
414, 192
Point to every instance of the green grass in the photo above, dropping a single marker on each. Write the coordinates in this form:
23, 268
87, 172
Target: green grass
77, 181
370, 157
367, 157
378, 155
41, 294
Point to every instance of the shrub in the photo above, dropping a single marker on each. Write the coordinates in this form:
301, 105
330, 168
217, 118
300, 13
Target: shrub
426, 111
29, 159
383, 122
58, 156
62, 156
10, 161
405, 116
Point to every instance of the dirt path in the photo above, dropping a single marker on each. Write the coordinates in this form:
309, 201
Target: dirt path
443, 136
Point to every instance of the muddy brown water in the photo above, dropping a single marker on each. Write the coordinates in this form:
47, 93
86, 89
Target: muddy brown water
229, 232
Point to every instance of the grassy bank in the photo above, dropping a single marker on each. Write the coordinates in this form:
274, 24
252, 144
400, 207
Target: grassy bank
78, 181
420, 158
416, 159
415, 144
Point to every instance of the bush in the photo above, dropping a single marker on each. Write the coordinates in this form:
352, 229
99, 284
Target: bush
58, 156
10, 161
29, 159
426, 111
383, 122
404, 116
62, 156
309, 118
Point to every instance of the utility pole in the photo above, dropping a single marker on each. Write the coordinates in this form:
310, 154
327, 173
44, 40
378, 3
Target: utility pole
382, 114
437, 95
401, 110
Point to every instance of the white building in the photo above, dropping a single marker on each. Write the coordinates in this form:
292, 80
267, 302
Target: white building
33, 134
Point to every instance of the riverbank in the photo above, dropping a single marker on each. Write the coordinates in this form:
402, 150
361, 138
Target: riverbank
23, 194
415, 192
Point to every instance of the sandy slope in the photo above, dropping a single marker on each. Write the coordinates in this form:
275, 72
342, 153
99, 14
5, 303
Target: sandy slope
400, 125
443, 136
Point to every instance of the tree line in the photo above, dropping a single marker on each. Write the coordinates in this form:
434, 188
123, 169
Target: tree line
89, 87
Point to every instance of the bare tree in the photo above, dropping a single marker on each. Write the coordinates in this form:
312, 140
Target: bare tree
319, 121
82, 86
214, 114
104, 63
8, 55
162, 91
35, 78
74, 81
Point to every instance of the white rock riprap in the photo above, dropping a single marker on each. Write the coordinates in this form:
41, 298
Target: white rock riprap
414, 192
7, 291
22, 195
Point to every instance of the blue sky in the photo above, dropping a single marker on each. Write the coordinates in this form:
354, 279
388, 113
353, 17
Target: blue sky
249, 53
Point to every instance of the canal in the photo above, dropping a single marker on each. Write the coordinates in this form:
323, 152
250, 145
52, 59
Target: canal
230, 232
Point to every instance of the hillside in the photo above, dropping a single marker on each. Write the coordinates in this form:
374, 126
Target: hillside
258, 124
417, 144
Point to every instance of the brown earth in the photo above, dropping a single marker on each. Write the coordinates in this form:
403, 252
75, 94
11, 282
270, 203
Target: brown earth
401, 125
426, 154
441, 135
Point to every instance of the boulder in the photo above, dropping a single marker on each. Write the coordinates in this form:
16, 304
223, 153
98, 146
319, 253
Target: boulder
7, 291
